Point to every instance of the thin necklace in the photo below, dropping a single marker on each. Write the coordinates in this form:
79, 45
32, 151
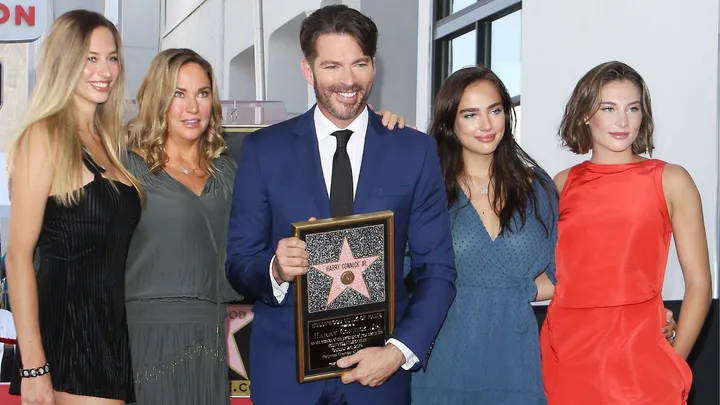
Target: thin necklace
183, 169
484, 190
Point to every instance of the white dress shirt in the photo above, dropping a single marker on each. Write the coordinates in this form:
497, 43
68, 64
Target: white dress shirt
355, 147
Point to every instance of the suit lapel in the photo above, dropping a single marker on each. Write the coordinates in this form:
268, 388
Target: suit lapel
307, 156
371, 167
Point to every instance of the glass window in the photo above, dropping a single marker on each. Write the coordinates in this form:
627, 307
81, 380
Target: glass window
506, 50
458, 5
493, 40
445, 8
463, 51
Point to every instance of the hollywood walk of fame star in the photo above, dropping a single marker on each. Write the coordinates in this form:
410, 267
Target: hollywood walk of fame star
346, 272
232, 325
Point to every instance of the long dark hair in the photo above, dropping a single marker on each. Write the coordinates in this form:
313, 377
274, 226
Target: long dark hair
512, 171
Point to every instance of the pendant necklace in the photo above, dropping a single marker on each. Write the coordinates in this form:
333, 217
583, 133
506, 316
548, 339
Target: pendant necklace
182, 168
484, 190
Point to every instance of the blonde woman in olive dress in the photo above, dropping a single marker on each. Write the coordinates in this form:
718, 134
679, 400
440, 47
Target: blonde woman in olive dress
175, 285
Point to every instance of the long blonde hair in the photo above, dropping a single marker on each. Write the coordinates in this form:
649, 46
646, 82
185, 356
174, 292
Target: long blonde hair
62, 60
148, 131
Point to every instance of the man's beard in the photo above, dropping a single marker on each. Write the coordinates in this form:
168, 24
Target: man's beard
326, 100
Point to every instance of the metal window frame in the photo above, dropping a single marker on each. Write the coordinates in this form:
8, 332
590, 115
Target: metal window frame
482, 10
478, 17
442, 8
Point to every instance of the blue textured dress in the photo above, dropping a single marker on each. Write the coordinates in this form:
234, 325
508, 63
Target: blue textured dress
488, 352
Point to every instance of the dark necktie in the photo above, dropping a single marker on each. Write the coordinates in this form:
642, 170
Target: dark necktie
341, 185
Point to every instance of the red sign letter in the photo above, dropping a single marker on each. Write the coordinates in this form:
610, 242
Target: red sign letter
21, 14
5, 13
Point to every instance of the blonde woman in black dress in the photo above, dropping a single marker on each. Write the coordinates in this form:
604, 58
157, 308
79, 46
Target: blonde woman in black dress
74, 201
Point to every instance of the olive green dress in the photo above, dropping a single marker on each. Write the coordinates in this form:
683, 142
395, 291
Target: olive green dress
176, 288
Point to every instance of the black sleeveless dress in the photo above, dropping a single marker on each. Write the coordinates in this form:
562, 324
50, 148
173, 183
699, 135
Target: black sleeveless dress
81, 290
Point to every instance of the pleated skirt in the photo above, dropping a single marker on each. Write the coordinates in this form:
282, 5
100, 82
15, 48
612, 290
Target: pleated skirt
178, 352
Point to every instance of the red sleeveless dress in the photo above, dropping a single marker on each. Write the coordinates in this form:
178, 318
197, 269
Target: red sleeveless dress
601, 343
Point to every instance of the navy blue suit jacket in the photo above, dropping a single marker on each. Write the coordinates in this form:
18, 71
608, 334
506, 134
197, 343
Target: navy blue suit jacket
279, 181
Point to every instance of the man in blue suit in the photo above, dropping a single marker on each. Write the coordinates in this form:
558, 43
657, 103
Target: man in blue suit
338, 159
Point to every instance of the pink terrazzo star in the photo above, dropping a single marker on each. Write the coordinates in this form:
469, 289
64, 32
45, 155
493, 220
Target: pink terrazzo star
346, 272
232, 325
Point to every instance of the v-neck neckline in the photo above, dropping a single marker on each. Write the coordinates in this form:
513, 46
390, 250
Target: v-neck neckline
469, 204
203, 192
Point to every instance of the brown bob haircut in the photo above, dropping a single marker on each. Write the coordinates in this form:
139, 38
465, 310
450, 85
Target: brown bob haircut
338, 19
585, 102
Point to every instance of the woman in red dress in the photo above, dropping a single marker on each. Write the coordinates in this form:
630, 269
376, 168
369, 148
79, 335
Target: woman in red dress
601, 341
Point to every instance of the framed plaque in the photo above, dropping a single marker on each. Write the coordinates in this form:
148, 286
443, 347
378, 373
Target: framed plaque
346, 301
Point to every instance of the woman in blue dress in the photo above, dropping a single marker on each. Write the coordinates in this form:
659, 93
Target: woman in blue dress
503, 210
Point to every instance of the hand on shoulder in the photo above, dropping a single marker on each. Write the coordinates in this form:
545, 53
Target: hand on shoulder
390, 120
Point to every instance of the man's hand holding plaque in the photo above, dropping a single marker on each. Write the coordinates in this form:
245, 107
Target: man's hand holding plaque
291, 259
374, 365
